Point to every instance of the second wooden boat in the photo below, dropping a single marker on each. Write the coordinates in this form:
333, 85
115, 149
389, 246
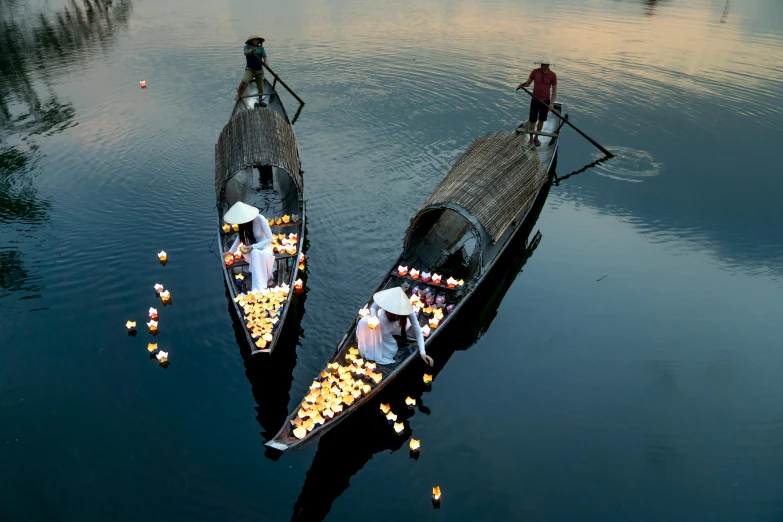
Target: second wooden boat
452, 243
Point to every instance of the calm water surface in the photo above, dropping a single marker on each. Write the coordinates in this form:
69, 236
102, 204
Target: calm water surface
652, 394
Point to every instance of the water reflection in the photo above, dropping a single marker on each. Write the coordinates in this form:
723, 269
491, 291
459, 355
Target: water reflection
343, 451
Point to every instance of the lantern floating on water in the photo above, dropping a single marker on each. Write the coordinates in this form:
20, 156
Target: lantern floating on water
143, 84
399, 427
151, 347
415, 445
410, 402
427, 378
226, 228
385, 408
158, 288
436, 278
153, 314
165, 295
364, 312
299, 285
373, 322
131, 326
391, 417
153, 326
436, 495
414, 273
402, 270
162, 256
451, 282
163, 356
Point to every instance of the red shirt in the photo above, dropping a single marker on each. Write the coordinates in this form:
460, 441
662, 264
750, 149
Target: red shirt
542, 83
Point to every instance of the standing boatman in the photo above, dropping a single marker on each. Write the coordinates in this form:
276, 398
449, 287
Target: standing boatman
544, 80
254, 54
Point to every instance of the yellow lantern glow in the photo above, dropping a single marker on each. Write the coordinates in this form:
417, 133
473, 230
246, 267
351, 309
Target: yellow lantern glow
398, 427
348, 400
165, 295
373, 322
364, 312
151, 347
300, 432
278, 221
410, 402
143, 84
356, 393
158, 288
436, 494
385, 408
318, 419
438, 313
315, 385
261, 344
272, 222
267, 337
295, 423
460, 282
451, 282
299, 285
337, 407
402, 270
370, 366
427, 378
415, 445
377, 377
391, 417
434, 322
153, 326
436, 278
353, 350
414, 273
162, 356
226, 228
131, 326
308, 424
235, 227
328, 413
286, 219
366, 388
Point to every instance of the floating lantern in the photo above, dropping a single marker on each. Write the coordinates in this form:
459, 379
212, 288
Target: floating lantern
364, 312
153, 326
226, 228
436, 495
153, 314
235, 227
315, 385
410, 402
436, 278
414, 273
131, 326
415, 445
385, 408
286, 219
402, 270
425, 331
391, 417
228, 259
151, 347
162, 256
426, 276
158, 288
434, 322
143, 84
300, 433
165, 295
451, 282
399, 427
373, 322
299, 285
163, 356
427, 378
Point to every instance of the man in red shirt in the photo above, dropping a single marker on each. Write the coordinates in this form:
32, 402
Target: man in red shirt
543, 79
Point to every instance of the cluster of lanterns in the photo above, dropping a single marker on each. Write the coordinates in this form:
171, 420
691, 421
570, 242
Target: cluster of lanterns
228, 228
428, 277
284, 220
282, 244
262, 310
152, 325
337, 388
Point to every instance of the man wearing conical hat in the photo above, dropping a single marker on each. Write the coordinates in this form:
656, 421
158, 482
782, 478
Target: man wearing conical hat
255, 55
544, 82
393, 310
253, 241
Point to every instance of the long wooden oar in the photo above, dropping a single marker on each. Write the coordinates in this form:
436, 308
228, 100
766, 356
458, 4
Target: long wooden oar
565, 120
283, 83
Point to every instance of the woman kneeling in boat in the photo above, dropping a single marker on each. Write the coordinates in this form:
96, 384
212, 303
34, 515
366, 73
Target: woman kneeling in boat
393, 310
255, 236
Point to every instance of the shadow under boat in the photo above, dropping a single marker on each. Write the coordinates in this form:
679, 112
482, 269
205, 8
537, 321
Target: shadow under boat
346, 449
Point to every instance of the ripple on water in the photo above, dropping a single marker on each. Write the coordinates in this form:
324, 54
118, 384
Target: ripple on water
629, 164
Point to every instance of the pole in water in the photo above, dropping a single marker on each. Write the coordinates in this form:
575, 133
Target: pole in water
565, 120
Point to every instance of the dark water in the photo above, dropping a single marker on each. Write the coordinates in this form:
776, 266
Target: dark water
652, 394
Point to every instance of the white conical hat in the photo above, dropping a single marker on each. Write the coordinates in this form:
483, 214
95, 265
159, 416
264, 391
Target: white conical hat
394, 300
545, 58
240, 213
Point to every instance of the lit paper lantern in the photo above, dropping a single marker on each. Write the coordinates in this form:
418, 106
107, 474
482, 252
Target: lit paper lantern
163, 356
151, 347
373, 322
272, 222
308, 424
391, 417
402, 270
228, 259
438, 313
385, 408
460, 282
427, 378
436, 494
348, 400
434, 322
299, 285
162, 256
377, 377
226, 228
153, 326
260, 344
415, 445
165, 295
410, 402
436, 278
399, 427
235, 227
426, 276
364, 312
158, 288
370, 366
153, 314
278, 221
414, 273
451, 282
131, 326
143, 84
300, 432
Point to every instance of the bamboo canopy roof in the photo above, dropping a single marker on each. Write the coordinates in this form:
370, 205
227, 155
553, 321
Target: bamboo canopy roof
256, 137
492, 180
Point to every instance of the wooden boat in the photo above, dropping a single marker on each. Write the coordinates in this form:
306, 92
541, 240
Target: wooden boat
257, 162
451, 245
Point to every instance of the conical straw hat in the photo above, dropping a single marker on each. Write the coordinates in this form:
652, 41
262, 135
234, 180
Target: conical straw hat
394, 300
545, 58
254, 36
240, 213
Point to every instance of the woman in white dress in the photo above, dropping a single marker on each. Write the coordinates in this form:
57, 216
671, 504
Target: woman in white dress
393, 310
256, 238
